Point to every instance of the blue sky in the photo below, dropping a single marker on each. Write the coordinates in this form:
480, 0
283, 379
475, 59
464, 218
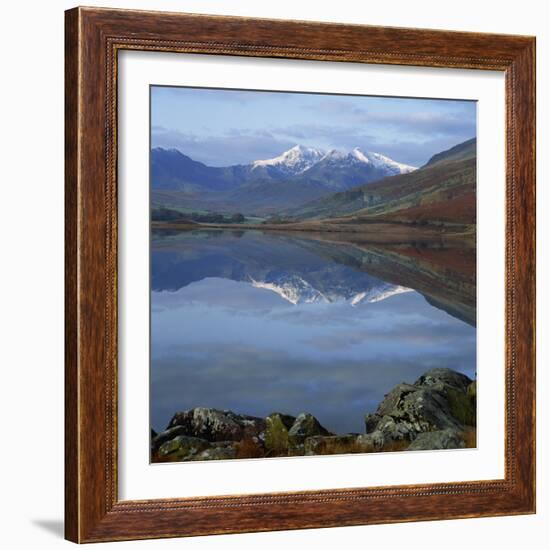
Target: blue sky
224, 127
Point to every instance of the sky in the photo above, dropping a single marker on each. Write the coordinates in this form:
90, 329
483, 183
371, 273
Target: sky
225, 127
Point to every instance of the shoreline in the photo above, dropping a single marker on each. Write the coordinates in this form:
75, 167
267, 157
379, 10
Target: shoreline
369, 231
437, 411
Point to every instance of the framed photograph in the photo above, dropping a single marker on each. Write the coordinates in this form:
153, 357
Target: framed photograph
300, 275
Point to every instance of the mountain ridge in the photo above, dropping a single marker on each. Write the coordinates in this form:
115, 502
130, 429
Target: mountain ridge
443, 190
300, 174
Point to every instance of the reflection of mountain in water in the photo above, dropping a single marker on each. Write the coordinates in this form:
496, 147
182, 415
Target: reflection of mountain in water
296, 290
310, 268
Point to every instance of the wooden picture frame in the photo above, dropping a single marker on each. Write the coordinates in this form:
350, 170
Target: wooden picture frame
93, 511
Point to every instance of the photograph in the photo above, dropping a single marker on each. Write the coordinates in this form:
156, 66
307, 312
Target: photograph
312, 274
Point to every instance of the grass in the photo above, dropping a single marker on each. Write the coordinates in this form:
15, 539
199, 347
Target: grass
470, 438
395, 446
248, 448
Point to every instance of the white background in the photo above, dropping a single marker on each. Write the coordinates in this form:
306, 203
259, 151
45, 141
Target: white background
31, 469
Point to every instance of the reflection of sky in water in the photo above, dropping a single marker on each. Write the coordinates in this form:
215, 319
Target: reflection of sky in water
225, 344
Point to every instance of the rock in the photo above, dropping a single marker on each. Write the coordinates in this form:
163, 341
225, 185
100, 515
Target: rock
391, 403
371, 421
437, 401
216, 425
166, 435
458, 389
277, 426
444, 376
305, 425
339, 444
225, 450
182, 447
442, 439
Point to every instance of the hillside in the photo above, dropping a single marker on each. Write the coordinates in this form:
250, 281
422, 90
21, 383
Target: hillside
462, 151
442, 191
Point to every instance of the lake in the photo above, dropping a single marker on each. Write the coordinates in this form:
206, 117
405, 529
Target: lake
258, 322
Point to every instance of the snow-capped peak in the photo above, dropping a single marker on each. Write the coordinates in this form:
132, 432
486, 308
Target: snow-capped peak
301, 158
334, 155
381, 161
295, 160
359, 155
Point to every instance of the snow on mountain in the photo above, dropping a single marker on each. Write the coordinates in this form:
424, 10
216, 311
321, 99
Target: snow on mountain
299, 159
293, 289
381, 161
294, 161
377, 294
296, 290
376, 160
334, 156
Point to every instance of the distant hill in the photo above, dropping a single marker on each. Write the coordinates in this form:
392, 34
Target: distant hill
443, 190
297, 176
462, 151
171, 170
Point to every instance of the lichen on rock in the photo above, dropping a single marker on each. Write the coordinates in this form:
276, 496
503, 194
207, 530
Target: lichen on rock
441, 399
182, 447
305, 425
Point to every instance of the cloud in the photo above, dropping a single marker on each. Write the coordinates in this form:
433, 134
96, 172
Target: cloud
449, 123
237, 146
419, 135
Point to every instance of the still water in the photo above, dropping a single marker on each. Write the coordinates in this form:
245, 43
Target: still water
261, 322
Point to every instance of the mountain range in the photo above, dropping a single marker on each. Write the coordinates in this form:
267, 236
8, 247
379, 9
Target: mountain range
442, 190
297, 176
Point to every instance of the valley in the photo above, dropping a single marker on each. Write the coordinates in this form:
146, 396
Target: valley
435, 203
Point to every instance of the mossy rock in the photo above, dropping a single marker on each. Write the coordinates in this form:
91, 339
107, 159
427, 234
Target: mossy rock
277, 426
182, 447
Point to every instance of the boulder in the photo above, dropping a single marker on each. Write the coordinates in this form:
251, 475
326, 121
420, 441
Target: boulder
225, 450
305, 425
447, 377
182, 447
277, 426
166, 435
442, 439
438, 400
217, 425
